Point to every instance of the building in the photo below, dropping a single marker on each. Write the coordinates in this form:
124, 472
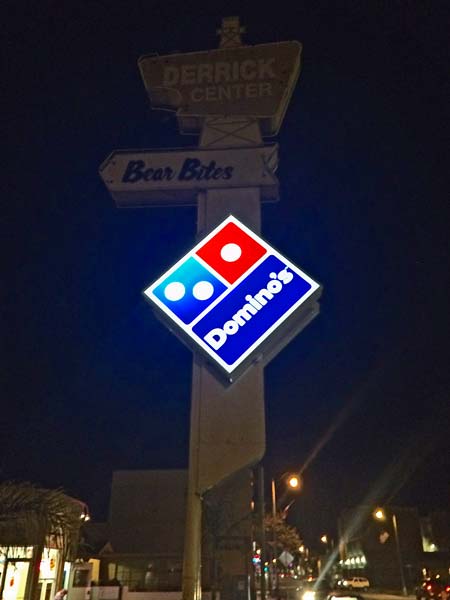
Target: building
146, 530
371, 547
145, 545
436, 532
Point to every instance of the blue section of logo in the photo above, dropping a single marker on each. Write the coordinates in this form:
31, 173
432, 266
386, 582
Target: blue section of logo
250, 309
189, 290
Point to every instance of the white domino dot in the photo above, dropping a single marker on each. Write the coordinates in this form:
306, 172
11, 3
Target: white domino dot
203, 290
231, 252
174, 291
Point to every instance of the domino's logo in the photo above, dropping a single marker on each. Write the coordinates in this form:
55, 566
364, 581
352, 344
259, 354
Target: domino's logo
230, 292
208, 272
189, 290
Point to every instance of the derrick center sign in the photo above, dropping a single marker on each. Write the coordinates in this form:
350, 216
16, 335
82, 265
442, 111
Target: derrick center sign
230, 293
253, 81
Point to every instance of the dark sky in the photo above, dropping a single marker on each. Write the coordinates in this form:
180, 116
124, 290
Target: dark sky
93, 382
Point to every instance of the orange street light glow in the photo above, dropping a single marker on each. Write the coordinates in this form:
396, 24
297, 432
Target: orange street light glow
294, 482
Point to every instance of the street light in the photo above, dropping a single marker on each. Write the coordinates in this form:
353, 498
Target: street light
293, 482
380, 515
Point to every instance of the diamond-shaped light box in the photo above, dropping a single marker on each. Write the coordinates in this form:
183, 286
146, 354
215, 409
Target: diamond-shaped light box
235, 298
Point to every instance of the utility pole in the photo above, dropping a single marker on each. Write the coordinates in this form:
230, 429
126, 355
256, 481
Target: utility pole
261, 519
399, 555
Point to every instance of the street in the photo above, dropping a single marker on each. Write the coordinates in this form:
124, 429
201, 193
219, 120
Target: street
382, 596
289, 586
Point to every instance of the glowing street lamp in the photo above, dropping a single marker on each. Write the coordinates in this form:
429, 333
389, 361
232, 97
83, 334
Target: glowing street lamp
293, 482
380, 515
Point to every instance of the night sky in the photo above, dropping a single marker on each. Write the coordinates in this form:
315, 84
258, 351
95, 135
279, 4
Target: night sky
92, 382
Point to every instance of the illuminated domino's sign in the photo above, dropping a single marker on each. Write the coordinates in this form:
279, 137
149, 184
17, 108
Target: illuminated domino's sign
230, 293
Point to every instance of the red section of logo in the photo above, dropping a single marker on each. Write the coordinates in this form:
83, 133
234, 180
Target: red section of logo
231, 252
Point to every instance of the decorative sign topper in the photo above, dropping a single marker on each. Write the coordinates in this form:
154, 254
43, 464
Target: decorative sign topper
230, 293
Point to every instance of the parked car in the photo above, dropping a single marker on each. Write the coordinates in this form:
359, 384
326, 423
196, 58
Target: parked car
355, 583
433, 589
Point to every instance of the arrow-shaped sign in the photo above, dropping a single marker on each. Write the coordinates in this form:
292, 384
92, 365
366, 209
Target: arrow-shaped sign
147, 178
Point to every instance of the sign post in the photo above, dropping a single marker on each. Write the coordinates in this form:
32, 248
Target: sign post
227, 424
236, 299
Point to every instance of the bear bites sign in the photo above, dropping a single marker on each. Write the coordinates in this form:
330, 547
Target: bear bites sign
230, 293
255, 81
152, 178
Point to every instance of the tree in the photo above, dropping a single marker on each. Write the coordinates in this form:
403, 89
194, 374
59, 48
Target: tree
35, 516
27, 510
286, 537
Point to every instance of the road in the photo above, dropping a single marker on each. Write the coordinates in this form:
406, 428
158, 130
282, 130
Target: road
288, 586
381, 596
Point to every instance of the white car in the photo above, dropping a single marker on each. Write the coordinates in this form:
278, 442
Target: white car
356, 583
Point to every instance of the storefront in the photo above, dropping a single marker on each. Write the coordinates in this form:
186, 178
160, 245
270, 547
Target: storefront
16, 570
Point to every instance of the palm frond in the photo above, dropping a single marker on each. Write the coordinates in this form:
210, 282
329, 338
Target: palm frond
29, 513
